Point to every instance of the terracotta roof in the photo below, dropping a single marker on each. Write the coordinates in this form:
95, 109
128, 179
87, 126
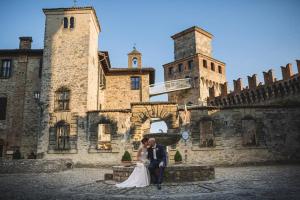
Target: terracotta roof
134, 51
194, 28
74, 9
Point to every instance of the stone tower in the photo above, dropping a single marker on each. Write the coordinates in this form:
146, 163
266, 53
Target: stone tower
70, 77
193, 59
134, 59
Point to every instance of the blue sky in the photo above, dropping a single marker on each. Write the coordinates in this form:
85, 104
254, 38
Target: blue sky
249, 36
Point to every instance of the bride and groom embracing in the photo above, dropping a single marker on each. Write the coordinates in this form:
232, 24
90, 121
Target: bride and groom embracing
151, 160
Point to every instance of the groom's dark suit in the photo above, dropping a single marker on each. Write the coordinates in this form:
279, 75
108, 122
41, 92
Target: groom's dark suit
155, 162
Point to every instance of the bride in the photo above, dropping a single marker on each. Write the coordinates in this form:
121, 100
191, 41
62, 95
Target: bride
140, 175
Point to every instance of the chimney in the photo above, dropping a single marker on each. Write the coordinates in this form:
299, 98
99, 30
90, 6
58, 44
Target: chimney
287, 71
237, 84
25, 42
269, 77
252, 81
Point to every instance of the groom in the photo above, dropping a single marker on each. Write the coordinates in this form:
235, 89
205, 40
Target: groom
158, 161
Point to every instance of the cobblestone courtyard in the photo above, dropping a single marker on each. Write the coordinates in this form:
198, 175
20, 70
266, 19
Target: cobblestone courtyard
256, 182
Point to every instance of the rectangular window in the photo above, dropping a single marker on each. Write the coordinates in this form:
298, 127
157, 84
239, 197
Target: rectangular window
212, 66
180, 67
3, 105
220, 69
135, 83
5, 71
205, 63
191, 64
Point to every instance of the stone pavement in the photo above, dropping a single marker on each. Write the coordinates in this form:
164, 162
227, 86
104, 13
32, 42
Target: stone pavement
255, 182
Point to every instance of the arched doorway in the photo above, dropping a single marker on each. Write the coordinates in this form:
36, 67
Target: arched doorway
142, 113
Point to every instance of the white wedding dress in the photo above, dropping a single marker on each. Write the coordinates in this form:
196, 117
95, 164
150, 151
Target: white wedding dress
140, 175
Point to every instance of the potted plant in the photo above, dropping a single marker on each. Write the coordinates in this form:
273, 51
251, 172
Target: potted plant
178, 157
126, 158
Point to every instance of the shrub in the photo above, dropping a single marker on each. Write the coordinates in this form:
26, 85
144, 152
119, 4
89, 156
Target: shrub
126, 156
177, 157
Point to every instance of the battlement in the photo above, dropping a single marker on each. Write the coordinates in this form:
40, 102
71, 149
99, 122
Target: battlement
271, 91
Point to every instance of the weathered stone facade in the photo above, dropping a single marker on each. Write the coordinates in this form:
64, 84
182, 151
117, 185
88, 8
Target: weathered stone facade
20, 125
66, 101
193, 59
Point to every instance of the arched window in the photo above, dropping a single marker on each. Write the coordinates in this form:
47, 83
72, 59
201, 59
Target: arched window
66, 22
134, 62
63, 135
72, 22
62, 98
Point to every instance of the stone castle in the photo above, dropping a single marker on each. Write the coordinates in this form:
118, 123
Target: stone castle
67, 101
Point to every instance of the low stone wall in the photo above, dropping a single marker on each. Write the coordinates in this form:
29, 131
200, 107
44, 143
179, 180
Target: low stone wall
173, 173
34, 166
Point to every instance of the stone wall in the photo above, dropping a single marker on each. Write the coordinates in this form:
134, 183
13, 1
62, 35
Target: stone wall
19, 129
118, 92
253, 134
273, 91
70, 61
192, 41
34, 166
173, 173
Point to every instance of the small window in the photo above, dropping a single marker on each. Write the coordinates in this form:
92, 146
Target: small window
62, 99
205, 63
72, 22
66, 22
180, 66
3, 105
220, 69
212, 66
191, 64
170, 70
5, 71
40, 68
135, 83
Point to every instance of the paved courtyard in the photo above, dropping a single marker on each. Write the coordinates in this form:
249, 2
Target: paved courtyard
256, 182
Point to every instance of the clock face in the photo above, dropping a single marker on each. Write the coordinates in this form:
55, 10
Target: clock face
185, 135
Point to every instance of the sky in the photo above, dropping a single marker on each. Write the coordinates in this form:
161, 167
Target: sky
250, 36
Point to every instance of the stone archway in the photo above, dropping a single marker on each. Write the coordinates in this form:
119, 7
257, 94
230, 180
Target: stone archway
141, 112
